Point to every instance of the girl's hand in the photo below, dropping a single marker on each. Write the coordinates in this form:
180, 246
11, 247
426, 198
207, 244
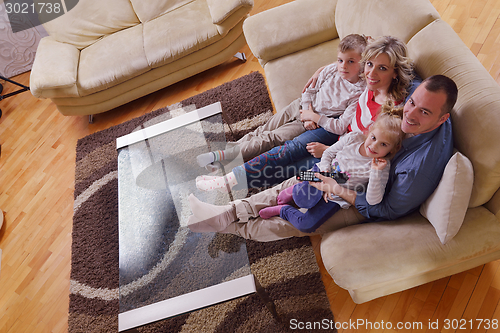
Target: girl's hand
327, 185
316, 149
310, 125
326, 196
379, 163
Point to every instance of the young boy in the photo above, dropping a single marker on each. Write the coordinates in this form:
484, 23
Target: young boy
338, 89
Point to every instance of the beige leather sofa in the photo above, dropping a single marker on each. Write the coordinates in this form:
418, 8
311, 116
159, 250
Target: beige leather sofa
376, 259
105, 53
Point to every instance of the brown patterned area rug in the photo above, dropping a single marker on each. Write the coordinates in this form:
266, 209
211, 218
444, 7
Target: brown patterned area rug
287, 269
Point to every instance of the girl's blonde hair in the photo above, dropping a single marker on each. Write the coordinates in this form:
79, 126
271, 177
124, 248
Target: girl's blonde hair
397, 52
389, 122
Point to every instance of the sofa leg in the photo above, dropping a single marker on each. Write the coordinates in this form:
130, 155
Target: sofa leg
91, 119
241, 56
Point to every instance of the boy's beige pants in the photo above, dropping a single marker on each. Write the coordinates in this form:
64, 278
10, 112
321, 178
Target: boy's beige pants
283, 126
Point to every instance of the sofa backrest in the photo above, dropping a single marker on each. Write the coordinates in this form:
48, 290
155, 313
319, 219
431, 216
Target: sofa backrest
381, 17
149, 10
435, 48
91, 20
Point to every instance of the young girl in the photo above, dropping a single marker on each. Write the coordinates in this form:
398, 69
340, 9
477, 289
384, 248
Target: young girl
364, 158
387, 71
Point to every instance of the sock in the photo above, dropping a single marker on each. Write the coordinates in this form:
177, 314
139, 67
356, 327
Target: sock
269, 212
209, 218
211, 156
285, 196
209, 183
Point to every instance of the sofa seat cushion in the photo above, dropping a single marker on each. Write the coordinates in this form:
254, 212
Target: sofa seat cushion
111, 61
90, 20
179, 33
398, 255
287, 76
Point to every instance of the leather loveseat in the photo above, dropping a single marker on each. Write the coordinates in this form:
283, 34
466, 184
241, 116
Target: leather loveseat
105, 53
371, 260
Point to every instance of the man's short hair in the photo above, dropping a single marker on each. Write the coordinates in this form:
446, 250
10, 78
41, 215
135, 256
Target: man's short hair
353, 42
441, 83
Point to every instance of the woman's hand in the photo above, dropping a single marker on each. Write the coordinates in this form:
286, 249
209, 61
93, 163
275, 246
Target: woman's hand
310, 125
312, 81
316, 149
379, 163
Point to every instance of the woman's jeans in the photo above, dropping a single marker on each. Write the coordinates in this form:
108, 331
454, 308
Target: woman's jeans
282, 162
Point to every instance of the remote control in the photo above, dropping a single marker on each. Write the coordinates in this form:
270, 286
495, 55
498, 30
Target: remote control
340, 177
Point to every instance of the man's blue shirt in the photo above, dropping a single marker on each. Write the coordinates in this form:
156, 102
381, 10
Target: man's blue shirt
415, 172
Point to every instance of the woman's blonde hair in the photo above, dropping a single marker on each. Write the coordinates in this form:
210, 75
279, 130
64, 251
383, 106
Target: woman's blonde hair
389, 122
397, 52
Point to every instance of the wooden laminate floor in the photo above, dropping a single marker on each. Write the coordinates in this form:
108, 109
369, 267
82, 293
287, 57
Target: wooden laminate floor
36, 194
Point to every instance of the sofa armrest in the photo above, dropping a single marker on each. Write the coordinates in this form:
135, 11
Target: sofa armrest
220, 10
55, 67
494, 204
290, 28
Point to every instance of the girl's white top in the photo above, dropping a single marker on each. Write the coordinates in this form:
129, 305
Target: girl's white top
361, 176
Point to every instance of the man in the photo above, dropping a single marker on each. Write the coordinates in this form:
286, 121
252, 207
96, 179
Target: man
418, 167
415, 173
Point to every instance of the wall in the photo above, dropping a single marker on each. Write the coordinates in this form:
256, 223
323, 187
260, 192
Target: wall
17, 50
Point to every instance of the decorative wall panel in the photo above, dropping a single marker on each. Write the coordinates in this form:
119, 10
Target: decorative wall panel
17, 50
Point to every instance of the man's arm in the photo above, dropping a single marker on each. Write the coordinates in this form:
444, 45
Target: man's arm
405, 195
